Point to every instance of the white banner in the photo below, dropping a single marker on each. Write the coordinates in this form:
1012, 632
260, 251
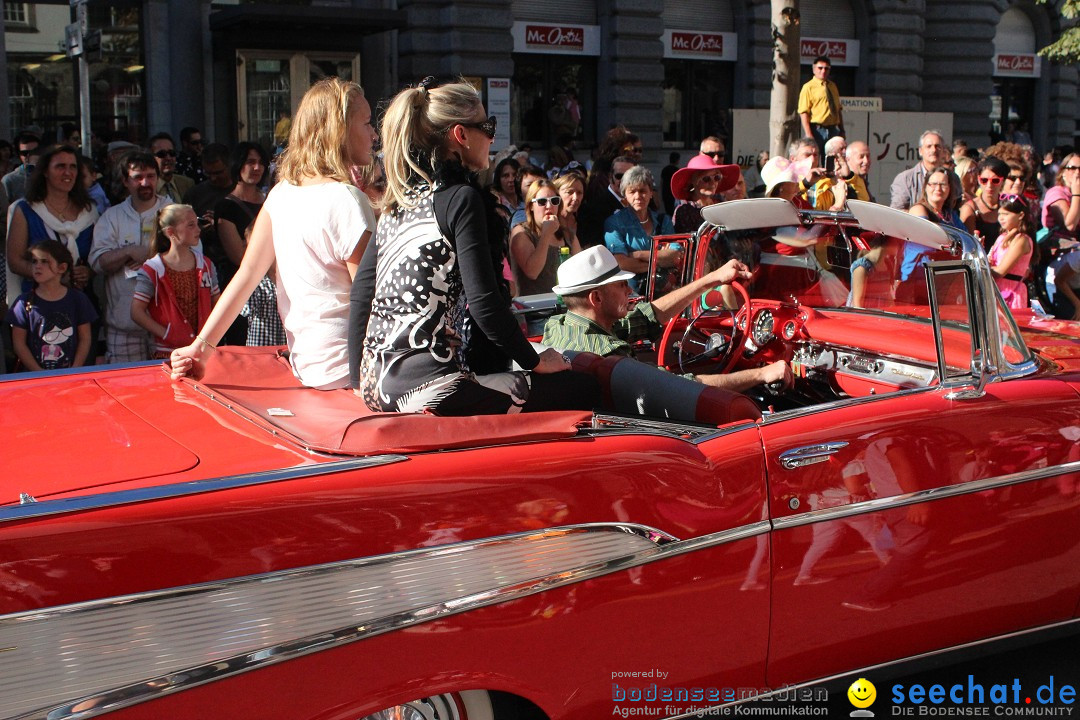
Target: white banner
498, 104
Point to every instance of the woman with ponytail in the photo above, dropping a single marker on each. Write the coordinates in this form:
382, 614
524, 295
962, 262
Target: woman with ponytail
177, 287
315, 224
427, 291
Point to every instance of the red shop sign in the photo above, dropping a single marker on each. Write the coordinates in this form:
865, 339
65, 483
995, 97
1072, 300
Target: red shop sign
835, 50
1021, 64
704, 43
555, 36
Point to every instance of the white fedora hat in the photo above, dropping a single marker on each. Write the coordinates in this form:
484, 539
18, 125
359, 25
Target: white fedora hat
589, 269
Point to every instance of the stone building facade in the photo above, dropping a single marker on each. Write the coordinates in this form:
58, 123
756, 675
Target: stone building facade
670, 69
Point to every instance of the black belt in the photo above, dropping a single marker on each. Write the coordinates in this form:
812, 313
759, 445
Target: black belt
1014, 277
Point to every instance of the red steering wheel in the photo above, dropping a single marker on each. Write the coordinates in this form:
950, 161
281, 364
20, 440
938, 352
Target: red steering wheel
697, 345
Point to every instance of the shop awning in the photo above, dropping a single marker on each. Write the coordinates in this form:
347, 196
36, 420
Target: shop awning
284, 26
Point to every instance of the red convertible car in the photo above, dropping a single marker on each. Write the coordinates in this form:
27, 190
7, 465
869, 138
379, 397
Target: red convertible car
243, 547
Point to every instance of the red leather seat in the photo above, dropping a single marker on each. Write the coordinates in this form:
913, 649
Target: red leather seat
635, 388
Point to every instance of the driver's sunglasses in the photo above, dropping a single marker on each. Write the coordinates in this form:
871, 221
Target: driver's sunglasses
487, 127
995, 180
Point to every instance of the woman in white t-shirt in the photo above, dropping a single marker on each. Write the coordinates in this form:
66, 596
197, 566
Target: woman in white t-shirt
315, 224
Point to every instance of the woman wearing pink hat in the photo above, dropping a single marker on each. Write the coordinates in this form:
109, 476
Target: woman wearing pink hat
697, 185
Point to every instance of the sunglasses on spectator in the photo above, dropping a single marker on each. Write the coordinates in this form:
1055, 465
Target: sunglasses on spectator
1014, 198
487, 126
1014, 178
195, 142
709, 178
31, 151
165, 153
1071, 167
995, 180
555, 201
716, 154
618, 176
634, 148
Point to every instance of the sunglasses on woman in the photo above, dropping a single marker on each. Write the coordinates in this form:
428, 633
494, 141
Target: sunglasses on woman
487, 127
543, 202
709, 178
993, 180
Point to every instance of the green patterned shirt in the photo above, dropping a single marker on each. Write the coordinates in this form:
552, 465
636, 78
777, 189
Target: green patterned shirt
575, 332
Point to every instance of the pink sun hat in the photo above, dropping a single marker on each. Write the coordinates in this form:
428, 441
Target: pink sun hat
680, 181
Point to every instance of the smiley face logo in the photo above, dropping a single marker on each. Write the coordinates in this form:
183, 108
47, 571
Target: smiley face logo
862, 693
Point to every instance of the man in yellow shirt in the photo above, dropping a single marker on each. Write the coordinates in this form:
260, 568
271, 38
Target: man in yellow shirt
819, 106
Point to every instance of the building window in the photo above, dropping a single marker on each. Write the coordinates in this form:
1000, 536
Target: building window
697, 101
549, 100
17, 15
21, 104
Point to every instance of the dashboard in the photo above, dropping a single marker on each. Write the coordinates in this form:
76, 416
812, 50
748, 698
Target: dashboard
828, 368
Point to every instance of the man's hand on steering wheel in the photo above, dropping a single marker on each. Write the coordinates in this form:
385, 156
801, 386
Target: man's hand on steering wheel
729, 271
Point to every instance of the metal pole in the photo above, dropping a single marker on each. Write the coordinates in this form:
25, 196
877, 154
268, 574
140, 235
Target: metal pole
84, 83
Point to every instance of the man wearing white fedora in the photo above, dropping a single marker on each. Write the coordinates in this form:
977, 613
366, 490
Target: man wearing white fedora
598, 318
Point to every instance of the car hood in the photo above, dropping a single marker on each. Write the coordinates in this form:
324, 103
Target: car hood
1055, 340
95, 441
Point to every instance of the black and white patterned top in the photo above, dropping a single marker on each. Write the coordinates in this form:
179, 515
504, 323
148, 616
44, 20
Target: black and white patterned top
428, 270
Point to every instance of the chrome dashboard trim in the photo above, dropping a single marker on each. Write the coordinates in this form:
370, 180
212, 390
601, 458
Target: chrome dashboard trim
919, 496
98, 501
282, 615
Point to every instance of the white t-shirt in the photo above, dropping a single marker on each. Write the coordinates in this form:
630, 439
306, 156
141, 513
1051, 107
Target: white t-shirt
316, 228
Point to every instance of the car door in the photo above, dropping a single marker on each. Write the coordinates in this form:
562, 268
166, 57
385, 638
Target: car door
921, 519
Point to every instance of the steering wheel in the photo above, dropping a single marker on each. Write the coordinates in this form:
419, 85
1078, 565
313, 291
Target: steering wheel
697, 345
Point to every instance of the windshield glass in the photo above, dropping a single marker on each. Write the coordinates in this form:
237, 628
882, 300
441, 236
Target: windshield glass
831, 267
847, 269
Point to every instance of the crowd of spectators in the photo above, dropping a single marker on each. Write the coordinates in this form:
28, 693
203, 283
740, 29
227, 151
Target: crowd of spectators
105, 209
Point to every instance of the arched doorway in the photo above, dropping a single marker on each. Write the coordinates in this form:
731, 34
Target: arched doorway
1017, 70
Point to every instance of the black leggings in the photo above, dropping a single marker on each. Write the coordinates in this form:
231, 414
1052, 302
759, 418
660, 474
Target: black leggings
567, 390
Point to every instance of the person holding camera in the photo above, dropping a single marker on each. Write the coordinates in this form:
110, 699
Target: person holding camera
823, 188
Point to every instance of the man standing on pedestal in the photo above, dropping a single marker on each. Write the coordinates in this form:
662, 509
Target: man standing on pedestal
819, 106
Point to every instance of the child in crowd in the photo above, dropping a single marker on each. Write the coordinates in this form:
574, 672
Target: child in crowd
1012, 253
50, 324
177, 286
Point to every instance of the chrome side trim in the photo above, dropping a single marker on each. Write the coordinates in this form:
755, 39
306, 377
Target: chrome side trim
862, 671
97, 501
919, 496
81, 661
